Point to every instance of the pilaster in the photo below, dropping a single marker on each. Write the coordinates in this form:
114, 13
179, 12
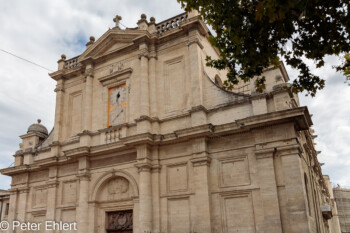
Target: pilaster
194, 48
22, 203
268, 190
83, 206
59, 108
259, 103
52, 185
145, 185
153, 84
144, 80
13, 205
88, 97
293, 178
201, 163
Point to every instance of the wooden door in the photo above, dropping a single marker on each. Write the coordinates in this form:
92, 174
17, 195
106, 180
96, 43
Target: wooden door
120, 222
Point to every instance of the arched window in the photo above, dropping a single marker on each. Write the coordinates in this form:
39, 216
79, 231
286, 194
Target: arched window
218, 81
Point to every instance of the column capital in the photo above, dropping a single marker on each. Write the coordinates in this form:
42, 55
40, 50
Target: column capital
195, 41
52, 183
144, 167
153, 55
23, 190
201, 161
84, 176
265, 153
59, 89
89, 72
144, 54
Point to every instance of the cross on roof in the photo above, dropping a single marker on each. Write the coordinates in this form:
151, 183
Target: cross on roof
116, 20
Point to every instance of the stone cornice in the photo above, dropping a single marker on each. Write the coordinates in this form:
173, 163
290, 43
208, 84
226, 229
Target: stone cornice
77, 152
116, 76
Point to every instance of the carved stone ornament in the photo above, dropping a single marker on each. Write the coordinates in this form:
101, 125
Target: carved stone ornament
120, 221
116, 67
118, 189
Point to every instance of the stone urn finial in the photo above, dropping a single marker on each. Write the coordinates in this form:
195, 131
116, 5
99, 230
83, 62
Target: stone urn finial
152, 20
143, 17
92, 40
116, 20
39, 121
63, 57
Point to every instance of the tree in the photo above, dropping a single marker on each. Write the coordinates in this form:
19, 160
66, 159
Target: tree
251, 35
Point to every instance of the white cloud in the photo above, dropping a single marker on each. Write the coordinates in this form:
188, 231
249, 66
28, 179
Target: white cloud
42, 30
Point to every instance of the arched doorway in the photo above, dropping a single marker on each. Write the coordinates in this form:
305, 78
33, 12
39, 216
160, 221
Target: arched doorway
114, 201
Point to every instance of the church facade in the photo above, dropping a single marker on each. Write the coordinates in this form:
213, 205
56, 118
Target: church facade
146, 139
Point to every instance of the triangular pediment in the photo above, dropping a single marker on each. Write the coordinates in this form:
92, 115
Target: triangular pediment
110, 42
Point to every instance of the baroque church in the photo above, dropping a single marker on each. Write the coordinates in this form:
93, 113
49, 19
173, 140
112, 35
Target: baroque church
145, 139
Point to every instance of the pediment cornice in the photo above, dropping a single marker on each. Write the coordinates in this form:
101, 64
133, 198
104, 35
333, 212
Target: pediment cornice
114, 41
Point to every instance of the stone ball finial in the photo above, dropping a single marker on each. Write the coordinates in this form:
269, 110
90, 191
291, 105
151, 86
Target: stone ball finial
38, 128
63, 57
92, 39
152, 19
143, 16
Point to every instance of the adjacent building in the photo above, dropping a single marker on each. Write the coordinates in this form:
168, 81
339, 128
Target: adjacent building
4, 204
342, 198
146, 140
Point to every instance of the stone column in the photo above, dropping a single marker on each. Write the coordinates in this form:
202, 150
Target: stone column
194, 47
59, 107
153, 85
145, 189
83, 205
88, 97
52, 184
293, 178
201, 163
144, 82
268, 190
13, 204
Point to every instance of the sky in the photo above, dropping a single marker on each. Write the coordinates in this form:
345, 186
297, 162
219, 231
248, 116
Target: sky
41, 30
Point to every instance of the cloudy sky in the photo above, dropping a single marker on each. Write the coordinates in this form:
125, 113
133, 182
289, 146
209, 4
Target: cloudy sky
41, 30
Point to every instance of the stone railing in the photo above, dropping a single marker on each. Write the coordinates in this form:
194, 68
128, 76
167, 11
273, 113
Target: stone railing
112, 135
71, 63
171, 23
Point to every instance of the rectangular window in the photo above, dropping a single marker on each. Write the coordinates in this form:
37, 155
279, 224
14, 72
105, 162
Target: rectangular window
7, 209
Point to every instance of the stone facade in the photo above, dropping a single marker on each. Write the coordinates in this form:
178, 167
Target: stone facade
146, 140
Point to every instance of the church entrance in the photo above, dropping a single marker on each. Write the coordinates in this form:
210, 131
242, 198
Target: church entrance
120, 222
